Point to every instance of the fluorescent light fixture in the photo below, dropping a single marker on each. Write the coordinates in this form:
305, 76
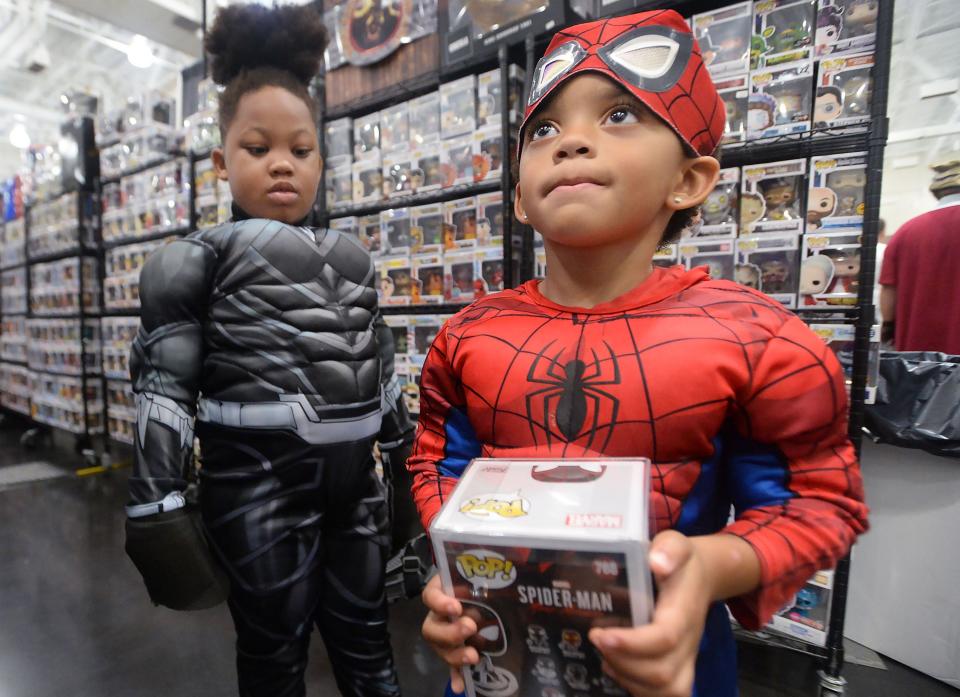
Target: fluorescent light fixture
139, 52
19, 138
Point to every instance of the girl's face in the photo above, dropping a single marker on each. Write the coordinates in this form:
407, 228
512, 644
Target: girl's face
271, 156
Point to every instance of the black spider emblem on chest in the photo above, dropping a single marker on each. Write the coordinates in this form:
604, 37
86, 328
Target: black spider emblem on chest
572, 392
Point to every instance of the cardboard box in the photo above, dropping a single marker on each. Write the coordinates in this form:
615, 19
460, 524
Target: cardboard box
537, 571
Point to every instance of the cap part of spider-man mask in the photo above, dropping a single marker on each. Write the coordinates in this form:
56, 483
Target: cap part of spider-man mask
652, 55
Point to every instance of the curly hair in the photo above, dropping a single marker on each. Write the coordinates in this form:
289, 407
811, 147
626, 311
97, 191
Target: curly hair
252, 46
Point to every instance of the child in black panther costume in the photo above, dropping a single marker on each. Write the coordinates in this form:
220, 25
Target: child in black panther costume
265, 334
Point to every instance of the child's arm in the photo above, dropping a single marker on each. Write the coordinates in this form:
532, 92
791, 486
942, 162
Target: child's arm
799, 499
444, 446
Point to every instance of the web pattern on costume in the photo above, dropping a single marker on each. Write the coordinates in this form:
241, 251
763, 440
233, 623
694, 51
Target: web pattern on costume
680, 104
581, 409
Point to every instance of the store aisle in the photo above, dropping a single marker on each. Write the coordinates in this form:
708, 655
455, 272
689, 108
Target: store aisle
75, 620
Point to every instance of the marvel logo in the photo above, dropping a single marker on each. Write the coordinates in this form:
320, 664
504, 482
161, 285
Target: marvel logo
594, 520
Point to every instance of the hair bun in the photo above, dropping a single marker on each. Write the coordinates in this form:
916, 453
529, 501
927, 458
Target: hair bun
286, 37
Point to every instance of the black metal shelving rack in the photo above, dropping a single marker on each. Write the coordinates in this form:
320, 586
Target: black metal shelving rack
3, 269
518, 267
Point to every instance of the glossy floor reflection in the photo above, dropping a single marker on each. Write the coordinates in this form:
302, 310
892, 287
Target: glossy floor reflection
75, 620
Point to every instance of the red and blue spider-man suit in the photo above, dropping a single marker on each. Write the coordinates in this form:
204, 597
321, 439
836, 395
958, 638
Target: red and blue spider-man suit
732, 397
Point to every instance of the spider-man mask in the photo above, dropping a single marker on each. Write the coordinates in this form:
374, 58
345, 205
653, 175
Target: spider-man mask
654, 56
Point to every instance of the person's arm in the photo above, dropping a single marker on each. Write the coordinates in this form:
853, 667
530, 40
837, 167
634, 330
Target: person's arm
799, 501
888, 304
445, 444
166, 362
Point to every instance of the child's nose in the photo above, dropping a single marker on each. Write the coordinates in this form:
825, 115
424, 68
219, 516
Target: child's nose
572, 143
280, 166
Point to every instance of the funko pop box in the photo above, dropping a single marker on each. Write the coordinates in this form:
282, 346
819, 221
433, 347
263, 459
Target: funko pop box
538, 552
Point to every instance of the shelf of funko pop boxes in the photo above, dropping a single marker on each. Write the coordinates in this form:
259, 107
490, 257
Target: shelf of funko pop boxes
420, 173
49, 350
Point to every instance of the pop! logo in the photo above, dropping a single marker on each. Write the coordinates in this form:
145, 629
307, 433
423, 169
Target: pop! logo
485, 569
492, 506
826, 164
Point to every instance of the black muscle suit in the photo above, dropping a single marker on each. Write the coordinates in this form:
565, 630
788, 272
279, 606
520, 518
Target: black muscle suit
268, 337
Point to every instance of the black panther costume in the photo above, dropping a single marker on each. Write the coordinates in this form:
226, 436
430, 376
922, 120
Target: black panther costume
268, 336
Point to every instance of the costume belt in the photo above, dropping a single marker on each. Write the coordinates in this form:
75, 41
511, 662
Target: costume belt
293, 412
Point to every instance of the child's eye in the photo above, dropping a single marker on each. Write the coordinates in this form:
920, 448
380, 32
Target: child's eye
256, 150
543, 130
622, 115
302, 152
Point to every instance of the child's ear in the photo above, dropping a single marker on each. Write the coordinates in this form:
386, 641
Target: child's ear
219, 163
697, 179
518, 211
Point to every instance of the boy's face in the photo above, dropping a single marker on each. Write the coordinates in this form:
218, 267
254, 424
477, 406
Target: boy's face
597, 166
271, 156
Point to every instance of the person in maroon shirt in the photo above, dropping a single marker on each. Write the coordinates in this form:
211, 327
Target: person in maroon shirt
921, 272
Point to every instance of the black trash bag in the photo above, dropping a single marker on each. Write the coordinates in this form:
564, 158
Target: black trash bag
918, 402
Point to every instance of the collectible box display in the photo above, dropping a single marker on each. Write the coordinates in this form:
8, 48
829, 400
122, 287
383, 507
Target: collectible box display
540, 261
338, 135
830, 271
487, 154
837, 191
783, 32
491, 268
807, 615
724, 38
397, 174
428, 272
426, 228
367, 181
409, 379
340, 186
536, 576
490, 219
395, 231
458, 107
781, 101
720, 212
462, 216
348, 225
369, 232
716, 254
846, 26
735, 93
472, 28
840, 338
771, 264
424, 120
395, 128
461, 278
423, 330
427, 173
844, 92
666, 256
400, 329
395, 280
489, 101
770, 197
457, 160
366, 138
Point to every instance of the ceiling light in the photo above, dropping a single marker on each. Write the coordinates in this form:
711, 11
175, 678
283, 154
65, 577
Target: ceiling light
139, 52
19, 138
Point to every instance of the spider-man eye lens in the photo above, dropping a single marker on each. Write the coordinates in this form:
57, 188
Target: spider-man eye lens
553, 67
490, 637
651, 58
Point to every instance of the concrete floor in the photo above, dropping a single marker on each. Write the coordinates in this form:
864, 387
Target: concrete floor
75, 619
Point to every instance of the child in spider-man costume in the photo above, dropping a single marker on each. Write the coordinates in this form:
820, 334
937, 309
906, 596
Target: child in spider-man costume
733, 398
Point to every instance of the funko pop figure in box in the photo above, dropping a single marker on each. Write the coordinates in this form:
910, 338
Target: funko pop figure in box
752, 208
780, 197
861, 16
747, 275
816, 277
594, 361
828, 105
821, 203
829, 26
